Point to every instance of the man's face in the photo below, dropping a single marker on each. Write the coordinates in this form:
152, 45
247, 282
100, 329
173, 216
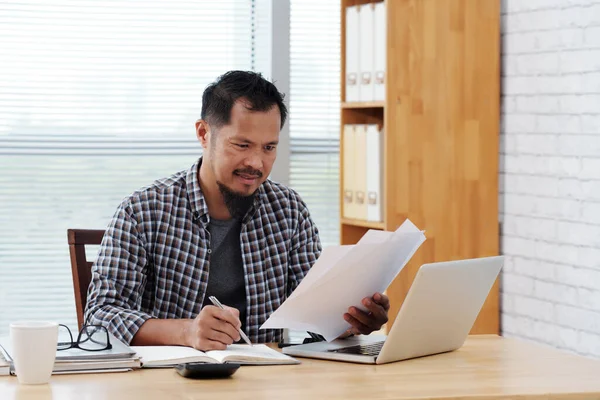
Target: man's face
242, 153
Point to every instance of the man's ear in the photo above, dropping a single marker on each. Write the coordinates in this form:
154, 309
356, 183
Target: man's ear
202, 132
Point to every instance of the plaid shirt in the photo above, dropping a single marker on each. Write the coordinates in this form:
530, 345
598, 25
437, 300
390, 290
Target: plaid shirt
154, 258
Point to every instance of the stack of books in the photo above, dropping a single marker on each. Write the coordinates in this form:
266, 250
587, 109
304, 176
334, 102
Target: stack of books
120, 358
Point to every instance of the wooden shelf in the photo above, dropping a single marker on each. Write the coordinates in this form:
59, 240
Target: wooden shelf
440, 119
363, 104
363, 223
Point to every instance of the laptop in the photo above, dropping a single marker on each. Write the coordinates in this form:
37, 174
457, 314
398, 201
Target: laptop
436, 316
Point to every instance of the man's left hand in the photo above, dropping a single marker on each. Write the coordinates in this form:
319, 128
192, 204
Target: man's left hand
373, 319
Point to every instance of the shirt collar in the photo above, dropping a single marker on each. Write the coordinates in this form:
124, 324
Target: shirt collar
198, 202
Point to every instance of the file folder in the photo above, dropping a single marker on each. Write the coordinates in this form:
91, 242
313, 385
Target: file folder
374, 150
352, 53
360, 174
379, 49
366, 17
348, 164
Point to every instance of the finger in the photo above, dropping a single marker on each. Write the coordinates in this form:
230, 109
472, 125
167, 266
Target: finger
357, 326
219, 336
361, 316
235, 311
226, 328
378, 313
207, 345
226, 316
382, 300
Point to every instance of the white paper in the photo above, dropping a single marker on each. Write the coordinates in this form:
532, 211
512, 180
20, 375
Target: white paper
343, 278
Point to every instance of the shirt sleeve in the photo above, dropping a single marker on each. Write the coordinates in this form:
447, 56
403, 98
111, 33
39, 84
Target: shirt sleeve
305, 250
119, 276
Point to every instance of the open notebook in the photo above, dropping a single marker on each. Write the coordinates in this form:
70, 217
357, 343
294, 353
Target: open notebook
168, 356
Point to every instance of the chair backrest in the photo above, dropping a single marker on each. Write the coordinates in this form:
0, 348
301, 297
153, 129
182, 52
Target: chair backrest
81, 268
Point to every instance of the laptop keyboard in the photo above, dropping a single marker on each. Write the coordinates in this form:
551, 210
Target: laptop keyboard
371, 349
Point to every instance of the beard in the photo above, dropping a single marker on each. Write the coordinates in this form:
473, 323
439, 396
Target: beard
237, 203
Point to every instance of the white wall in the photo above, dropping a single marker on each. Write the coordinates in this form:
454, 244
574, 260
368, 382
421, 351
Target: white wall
550, 172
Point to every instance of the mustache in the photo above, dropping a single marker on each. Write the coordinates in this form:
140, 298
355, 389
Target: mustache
249, 171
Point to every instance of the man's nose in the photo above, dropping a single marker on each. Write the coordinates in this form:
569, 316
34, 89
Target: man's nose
255, 161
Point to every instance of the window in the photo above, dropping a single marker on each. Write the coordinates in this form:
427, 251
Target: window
315, 110
97, 98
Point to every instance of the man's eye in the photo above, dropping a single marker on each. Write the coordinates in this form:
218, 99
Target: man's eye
242, 146
269, 147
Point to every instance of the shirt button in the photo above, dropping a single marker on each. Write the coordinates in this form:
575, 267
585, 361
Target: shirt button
209, 251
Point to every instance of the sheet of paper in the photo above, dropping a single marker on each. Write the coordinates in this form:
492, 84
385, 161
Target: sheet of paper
364, 269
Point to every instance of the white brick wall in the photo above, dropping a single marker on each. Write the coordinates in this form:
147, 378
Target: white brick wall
550, 172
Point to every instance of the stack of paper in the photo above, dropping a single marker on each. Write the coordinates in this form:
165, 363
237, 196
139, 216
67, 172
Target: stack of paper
118, 359
4, 365
342, 277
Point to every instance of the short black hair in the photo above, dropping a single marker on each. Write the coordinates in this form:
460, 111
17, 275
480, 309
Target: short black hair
220, 96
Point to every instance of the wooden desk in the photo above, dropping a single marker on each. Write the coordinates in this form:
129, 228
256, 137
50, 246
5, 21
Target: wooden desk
487, 367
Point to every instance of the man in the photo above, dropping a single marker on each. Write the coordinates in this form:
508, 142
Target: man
221, 228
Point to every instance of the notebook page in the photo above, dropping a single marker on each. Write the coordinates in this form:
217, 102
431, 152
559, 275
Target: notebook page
164, 356
255, 354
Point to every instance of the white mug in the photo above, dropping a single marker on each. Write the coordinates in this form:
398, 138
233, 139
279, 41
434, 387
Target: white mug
33, 350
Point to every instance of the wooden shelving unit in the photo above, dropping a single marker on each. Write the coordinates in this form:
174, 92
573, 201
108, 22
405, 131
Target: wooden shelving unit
366, 104
441, 122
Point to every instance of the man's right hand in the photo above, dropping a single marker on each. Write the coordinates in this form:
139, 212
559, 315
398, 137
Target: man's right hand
214, 328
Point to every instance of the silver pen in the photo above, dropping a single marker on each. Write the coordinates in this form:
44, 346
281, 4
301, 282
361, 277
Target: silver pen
217, 303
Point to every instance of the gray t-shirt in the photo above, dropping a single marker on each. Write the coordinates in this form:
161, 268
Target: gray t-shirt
226, 280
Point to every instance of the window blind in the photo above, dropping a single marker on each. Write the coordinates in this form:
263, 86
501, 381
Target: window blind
315, 110
97, 98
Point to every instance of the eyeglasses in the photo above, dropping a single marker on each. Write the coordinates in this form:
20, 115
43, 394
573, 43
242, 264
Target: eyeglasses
90, 338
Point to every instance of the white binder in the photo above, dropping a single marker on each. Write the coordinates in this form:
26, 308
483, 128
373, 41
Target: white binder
379, 49
348, 206
366, 17
352, 53
360, 171
374, 176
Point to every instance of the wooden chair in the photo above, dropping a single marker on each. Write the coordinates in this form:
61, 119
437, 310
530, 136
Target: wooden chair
80, 266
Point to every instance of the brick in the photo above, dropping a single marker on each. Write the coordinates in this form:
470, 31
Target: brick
579, 104
516, 246
509, 65
531, 228
539, 63
590, 168
538, 104
577, 276
591, 124
520, 123
570, 188
578, 233
533, 308
573, 317
567, 338
558, 124
516, 43
579, 145
538, 144
557, 208
592, 36
535, 268
517, 325
589, 344
519, 84
588, 257
589, 298
575, 61
555, 252
517, 284
555, 293
507, 302
591, 189
590, 213
533, 185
